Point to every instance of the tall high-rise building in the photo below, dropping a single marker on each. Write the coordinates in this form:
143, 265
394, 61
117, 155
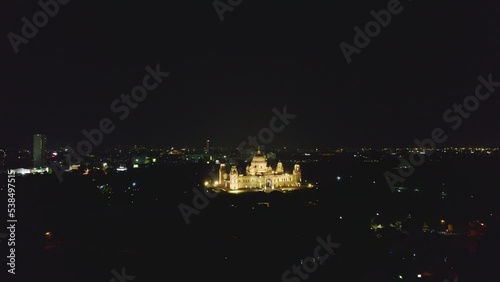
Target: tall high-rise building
39, 150
207, 147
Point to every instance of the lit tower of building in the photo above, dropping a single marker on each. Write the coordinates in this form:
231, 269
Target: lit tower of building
233, 178
39, 150
222, 173
297, 173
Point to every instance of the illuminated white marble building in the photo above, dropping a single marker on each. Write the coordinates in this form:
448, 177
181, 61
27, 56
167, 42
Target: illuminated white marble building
259, 176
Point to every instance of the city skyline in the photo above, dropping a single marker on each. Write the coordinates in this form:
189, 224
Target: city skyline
201, 146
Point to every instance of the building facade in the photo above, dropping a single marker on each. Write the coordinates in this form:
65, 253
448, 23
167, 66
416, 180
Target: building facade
39, 151
260, 176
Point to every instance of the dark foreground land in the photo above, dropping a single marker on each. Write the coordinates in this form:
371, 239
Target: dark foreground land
132, 220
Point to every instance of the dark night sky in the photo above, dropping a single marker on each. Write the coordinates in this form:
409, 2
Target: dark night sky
226, 77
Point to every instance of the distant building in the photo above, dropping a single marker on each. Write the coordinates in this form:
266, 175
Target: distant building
207, 147
260, 177
39, 151
140, 159
23, 171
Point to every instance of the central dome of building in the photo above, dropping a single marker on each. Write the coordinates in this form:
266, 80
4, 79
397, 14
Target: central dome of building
258, 158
